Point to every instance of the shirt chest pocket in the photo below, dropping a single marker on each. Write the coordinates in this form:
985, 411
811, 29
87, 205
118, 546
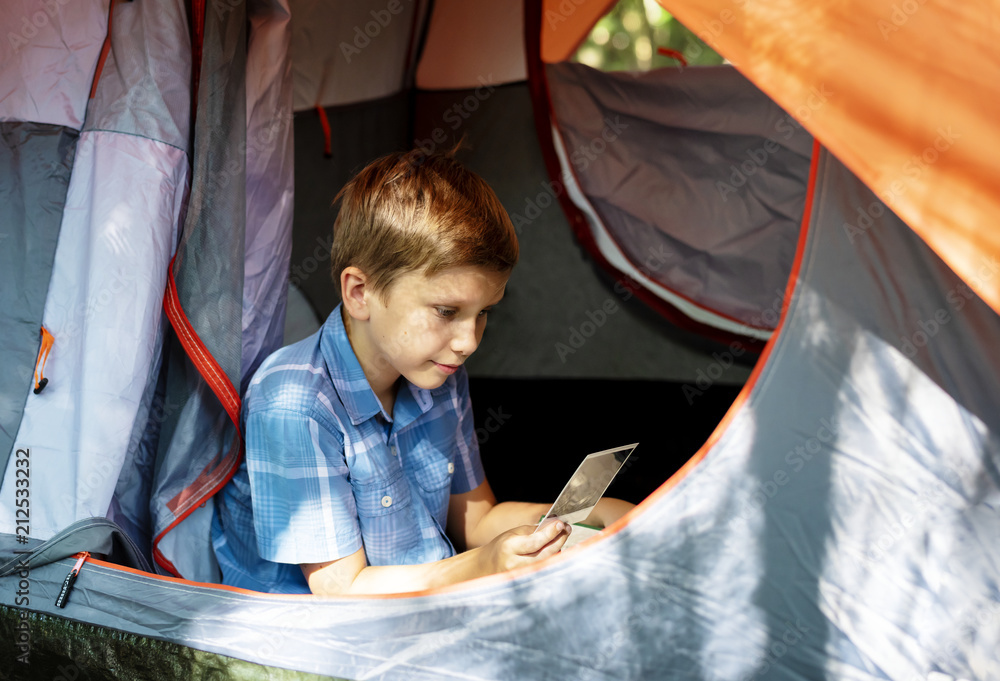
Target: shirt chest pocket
382, 497
434, 474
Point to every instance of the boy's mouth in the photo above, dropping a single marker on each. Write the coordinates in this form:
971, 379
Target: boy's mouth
447, 368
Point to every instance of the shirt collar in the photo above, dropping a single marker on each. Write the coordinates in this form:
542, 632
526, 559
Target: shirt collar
352, 385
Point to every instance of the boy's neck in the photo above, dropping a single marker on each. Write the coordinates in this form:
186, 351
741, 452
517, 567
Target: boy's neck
384, 382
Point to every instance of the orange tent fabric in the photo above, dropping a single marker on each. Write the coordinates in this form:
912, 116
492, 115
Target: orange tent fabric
904, 92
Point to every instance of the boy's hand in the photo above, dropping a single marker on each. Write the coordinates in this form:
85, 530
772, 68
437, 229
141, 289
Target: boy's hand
524, 545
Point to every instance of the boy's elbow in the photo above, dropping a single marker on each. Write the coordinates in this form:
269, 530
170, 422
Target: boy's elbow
335, 577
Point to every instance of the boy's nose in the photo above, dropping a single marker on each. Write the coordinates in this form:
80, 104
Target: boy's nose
466, 338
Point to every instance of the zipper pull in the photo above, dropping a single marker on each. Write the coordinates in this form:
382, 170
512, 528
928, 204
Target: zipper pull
71, 579
43, 356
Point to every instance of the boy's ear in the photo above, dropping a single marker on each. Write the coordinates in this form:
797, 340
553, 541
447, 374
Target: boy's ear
353, 290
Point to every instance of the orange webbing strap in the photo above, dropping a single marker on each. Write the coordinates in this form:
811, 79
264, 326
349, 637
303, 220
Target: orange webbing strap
218, 474
200, 356
325, 122
104, 51
43, 356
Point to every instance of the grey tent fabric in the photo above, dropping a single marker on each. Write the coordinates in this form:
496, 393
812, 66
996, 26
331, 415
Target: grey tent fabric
230, 272
840, 525
697, 177
144, 92
35, 164
94, 535
103, 292
199, 443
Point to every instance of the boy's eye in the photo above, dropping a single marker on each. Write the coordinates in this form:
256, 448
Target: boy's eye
446, 311
485, 312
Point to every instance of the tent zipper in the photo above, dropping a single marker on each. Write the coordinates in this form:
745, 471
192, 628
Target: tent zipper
71, 579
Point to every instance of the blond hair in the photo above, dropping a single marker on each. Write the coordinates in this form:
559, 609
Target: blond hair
413, 211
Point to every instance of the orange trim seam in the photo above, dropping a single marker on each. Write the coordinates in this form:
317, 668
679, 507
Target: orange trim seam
105, 48
220, 384
48, 340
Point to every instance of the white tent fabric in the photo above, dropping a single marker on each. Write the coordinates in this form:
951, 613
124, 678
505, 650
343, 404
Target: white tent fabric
349, 52
49, 52
104, 300
106, 319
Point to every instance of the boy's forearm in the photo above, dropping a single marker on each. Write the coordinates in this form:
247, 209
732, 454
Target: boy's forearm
607, 511
503, 517
378, 579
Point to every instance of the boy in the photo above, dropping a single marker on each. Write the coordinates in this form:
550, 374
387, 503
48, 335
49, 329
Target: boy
360, 446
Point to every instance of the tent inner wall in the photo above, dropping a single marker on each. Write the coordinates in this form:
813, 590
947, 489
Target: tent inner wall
35, 164
359, 134
567, 341
561, 317
698, 581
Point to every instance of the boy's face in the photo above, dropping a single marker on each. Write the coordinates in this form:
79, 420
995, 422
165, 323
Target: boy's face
431, 324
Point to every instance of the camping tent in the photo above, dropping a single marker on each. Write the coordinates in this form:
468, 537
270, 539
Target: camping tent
839, 523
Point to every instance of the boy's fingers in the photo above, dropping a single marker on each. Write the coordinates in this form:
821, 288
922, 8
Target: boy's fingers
532, 543
551, 520
554, 546
550, 531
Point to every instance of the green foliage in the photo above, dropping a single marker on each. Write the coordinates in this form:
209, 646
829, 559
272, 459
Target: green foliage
627, 38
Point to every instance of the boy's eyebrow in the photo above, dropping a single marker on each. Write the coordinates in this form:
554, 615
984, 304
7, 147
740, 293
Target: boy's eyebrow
447, 301
452, 303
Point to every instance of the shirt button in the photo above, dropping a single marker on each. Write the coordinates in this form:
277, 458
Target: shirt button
392, 450
451, 468
387, 501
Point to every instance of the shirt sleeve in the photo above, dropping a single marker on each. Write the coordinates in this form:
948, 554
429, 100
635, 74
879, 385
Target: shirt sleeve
469, 473
303, 503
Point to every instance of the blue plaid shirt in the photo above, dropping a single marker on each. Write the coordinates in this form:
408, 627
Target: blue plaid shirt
327, 471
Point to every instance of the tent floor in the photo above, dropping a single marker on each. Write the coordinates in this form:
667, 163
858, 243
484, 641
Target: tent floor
64, 650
